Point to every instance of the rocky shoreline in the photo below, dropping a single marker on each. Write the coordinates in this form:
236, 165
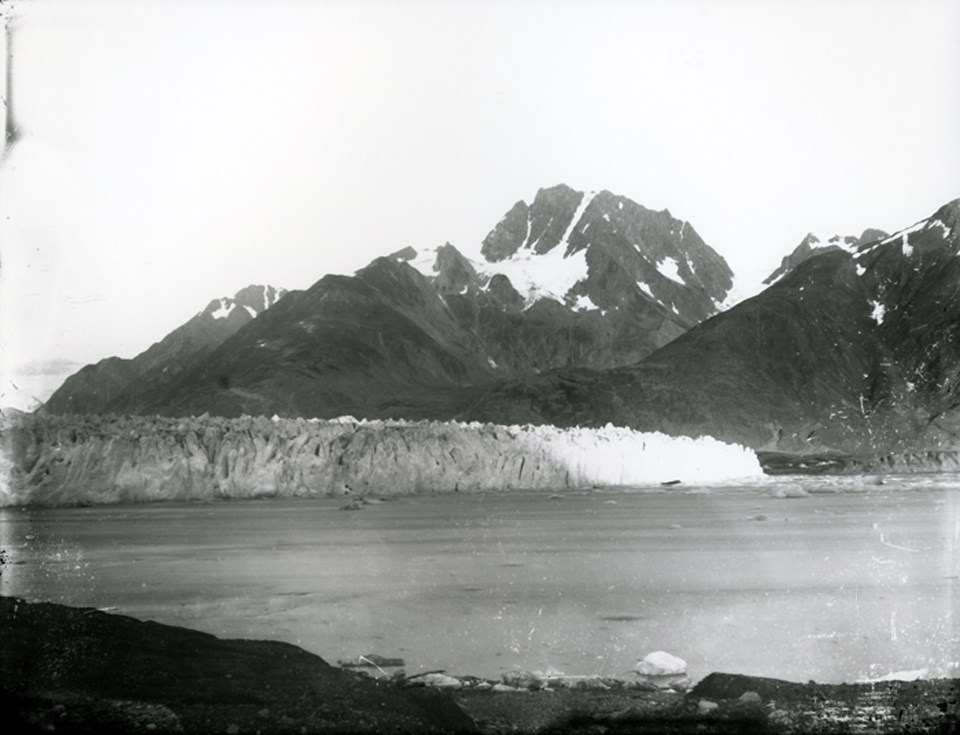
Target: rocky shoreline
81, 670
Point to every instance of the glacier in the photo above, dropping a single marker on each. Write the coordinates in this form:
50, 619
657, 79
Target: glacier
49, 460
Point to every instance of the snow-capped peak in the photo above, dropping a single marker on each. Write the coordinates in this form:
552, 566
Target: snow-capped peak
254, 299
826, 239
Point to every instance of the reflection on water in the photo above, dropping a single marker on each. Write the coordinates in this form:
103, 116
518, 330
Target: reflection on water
834, 586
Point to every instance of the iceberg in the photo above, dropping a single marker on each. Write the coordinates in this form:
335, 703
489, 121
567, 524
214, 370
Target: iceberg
70, 460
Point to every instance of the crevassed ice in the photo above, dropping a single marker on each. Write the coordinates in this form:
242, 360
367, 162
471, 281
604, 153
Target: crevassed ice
615, 455
488, 456
619, 456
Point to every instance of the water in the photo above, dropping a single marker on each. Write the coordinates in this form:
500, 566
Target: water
853, 582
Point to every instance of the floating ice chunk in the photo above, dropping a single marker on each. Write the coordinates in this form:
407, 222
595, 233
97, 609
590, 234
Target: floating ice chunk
878, 311
898, 676
226, 306
661, 663
671, 269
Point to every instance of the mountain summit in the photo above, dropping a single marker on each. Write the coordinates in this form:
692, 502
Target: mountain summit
116, 385
574, 279
855, 349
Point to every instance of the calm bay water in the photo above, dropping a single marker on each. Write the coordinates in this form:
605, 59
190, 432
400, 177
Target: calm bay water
852, 582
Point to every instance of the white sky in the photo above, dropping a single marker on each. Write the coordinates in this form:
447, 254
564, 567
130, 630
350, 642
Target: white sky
173, 152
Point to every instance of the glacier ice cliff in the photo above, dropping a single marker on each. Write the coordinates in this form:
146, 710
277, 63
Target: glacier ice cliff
69, 460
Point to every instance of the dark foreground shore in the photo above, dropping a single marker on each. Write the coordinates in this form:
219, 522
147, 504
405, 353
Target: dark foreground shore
76, 670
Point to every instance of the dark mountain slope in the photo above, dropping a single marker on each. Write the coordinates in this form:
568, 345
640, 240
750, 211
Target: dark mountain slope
342, 346
96, 388
848, 352
575, 279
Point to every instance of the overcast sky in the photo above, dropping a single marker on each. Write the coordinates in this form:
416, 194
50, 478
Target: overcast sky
173, 152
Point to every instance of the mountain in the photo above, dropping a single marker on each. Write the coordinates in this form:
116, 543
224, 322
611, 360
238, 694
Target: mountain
855, 349
814, 244
117, 381
573, 279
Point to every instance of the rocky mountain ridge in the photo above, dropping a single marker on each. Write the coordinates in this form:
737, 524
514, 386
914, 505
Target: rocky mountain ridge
817, 243
851, 351
579, 312
595, 280
114, 381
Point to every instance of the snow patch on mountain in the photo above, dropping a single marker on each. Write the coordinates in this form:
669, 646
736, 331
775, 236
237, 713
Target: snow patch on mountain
550, 275
825, 239
905, 246
584, 303
577, 215
226, 307
646, 290
878, 311
942, 225
903, 235
426, 262
669, 268
251, 311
